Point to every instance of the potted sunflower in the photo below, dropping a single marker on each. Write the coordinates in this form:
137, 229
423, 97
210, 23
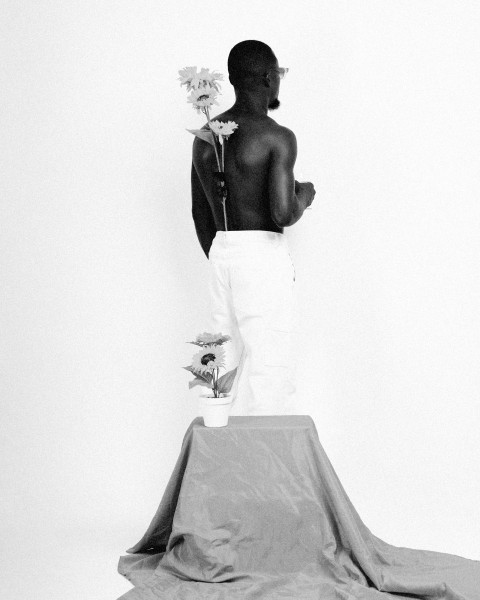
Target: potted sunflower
206, 365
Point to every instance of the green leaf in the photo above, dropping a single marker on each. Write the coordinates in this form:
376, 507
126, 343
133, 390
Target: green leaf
198, 381
204, 134
226, 381
208, 377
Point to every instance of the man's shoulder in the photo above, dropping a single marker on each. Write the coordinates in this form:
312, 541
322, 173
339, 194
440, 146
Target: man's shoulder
265, 129
283, 133
282, 138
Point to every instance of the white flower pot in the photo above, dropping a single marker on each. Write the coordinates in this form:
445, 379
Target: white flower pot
215, 411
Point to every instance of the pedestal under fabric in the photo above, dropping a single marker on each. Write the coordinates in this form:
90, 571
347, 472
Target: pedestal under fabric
255, 510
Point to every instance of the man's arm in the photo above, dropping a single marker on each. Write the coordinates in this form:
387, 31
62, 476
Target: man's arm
202, 214
288, 198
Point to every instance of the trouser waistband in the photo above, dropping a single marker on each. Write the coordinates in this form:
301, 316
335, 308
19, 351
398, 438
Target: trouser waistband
245, 237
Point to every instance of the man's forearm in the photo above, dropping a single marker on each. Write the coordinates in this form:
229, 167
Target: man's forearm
300, 204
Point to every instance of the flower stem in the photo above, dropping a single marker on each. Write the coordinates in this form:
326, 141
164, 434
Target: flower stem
216, 152
207, 114
221, 167
224, 214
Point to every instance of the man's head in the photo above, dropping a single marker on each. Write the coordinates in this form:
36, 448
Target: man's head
252, 66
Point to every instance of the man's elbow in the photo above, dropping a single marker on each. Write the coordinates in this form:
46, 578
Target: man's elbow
282, 222
282, 218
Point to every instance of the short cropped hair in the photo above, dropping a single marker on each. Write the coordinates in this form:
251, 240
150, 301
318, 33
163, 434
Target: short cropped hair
249, 59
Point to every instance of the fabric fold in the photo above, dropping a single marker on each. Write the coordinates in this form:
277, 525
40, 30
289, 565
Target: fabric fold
256, 510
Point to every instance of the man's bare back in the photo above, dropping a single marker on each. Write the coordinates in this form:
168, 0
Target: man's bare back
247, 159
259, 160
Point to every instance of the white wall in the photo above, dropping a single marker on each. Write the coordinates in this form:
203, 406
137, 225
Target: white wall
103, 280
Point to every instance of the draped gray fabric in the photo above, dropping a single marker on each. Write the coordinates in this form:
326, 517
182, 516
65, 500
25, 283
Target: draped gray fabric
255, 510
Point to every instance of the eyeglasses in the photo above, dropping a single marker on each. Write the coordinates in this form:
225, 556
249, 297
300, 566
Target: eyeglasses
282, 71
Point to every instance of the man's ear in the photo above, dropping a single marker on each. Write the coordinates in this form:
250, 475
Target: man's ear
267, 82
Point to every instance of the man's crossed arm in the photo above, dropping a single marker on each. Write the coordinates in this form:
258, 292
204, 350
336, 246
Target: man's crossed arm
288, 198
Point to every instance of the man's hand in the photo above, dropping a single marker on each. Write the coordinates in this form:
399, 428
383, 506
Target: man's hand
305, 189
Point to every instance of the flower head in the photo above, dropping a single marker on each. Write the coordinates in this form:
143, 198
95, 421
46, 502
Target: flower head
208, 358
193, 80
223, 129
211, 339
189, 77
210, 78
203, 97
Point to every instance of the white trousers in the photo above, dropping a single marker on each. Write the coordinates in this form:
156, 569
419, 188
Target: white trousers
252, 299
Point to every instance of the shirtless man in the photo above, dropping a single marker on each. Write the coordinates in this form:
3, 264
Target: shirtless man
252, 273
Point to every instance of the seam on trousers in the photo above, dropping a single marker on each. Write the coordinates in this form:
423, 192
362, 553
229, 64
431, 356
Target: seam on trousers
293, 266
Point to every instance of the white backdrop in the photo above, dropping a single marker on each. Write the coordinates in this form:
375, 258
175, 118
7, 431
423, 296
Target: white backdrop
103, 279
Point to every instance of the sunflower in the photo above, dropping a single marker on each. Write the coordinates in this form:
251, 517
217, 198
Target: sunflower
223, 129
203, 97
189, 77
206, 77
208, 358
211, 339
